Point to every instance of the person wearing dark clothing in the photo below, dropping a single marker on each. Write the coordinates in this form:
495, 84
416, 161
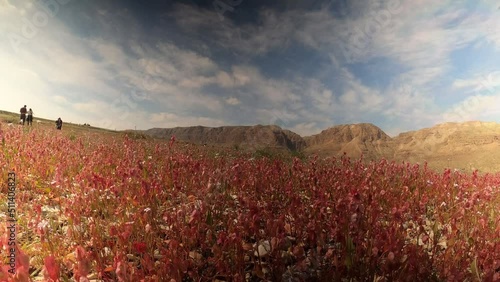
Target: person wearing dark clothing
30, 117
59, 123
23, 114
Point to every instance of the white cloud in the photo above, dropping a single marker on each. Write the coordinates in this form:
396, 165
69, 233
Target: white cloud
307, 128
476, 107
168, 120
407, 105
274, 31
114, 68
223, 79
481, 82
349, 98
112, 54
232, 101
60, 100
396, 30
6, 6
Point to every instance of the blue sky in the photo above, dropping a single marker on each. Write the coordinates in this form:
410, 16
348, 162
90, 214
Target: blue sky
303, 65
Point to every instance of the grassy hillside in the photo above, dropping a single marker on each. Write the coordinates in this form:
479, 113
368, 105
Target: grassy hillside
68, 128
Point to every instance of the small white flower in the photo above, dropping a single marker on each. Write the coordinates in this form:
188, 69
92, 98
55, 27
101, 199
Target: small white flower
43, 225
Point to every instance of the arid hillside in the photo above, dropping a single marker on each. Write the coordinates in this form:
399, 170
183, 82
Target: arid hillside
244, 137
354, 140
465, 146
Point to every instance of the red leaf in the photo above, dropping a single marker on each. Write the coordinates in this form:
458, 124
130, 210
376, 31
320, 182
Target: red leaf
140, 247
51, 267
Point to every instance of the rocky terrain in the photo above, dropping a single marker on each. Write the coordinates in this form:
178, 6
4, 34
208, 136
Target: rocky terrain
465, 146
355, 140
244, 137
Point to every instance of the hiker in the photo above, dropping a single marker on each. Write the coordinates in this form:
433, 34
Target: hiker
59, 123
30, 117
23, 114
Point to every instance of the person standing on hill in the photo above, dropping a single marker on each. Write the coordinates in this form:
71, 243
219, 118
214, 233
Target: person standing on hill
23, 114
30, 117
59, 123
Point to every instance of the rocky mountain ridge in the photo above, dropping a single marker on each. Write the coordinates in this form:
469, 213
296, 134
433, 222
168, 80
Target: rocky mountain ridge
253, 137
465, 146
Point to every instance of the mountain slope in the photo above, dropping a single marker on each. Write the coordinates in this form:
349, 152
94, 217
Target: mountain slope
465, 146
352, 139
253, 137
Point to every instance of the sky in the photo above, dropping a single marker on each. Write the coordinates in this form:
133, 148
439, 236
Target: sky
302, 65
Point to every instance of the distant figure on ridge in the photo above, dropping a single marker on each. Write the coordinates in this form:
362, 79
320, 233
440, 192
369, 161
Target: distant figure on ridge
30, 117
23, 114
59, 123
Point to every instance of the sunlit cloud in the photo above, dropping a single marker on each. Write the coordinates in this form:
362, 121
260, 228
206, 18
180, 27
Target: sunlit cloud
398, 64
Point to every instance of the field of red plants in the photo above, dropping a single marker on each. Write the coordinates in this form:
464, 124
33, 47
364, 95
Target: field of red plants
93, 207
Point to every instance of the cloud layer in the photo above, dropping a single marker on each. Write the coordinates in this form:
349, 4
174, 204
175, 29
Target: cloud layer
399, 64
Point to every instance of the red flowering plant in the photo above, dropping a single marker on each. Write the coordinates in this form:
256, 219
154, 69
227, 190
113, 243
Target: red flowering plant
108, 207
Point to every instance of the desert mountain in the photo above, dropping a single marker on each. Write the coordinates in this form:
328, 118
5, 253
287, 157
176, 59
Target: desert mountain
353, 139
253, 137
465, 146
